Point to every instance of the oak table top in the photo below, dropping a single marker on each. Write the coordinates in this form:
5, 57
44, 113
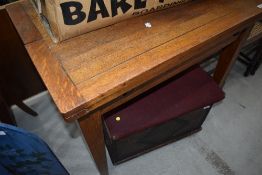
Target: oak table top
86, 72
102, 69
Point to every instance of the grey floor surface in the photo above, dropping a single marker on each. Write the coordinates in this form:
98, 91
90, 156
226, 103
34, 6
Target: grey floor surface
230, 142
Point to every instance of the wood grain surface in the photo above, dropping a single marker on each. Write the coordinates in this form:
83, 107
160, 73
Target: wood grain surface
92, 130
105, 64
27, 31
58, 83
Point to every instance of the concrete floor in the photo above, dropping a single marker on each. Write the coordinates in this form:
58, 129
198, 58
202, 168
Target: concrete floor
230, 142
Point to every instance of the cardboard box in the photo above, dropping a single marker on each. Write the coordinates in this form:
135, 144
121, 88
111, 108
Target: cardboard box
68, 18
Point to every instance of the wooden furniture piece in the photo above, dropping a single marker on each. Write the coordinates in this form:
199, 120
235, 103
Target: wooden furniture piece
18, 77
6, 115
170, 111
252, 62
94, 73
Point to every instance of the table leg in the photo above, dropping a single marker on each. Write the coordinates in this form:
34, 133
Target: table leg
92, 130
228, 57
6, 115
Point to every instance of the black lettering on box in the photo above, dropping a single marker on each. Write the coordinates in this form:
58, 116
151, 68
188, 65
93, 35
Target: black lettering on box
72, 17
115, 4
140, 4
93, 12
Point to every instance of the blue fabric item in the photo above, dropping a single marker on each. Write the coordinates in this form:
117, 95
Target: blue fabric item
22, 153
3, 171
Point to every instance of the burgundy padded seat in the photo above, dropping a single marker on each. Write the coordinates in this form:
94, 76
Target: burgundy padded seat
195, 90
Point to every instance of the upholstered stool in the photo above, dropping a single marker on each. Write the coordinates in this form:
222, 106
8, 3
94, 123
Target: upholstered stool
169, 112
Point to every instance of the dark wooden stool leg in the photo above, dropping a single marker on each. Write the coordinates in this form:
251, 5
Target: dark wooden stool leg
26, 108
92, 130
257, 59
6, 115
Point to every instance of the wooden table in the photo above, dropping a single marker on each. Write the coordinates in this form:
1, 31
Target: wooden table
94, 73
